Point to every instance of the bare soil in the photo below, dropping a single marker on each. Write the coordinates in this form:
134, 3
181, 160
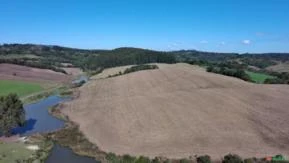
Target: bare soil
17, 72
110, 71
281, 67
180, 111
73, 71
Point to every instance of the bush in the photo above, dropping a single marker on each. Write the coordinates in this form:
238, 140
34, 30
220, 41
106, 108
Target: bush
232, 158
204, 159
143, 159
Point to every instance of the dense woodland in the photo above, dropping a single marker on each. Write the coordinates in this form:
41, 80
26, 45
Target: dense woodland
53, 57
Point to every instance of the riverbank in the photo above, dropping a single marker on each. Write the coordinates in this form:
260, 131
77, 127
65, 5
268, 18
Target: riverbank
34, 148
62, 91
71, 137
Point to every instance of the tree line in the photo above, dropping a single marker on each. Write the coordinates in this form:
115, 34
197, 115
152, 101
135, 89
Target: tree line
42, 64
280, 78
135, 69
229, 158
234, 72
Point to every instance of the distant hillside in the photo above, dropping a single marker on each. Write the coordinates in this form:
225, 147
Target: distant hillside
53, 57
259, 60
189, 55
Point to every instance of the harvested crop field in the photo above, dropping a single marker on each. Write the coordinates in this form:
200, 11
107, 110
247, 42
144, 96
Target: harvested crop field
110, 71
281, 67
23, 73
179, 111
73, 71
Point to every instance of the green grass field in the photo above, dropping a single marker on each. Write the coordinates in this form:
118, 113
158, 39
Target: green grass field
21, 88
258, 77
10, 152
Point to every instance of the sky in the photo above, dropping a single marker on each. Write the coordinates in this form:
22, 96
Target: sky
207, 25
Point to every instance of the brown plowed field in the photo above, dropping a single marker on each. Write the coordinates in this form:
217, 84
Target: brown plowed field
17, 72
181, 110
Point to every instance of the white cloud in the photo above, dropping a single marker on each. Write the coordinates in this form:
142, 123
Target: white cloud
222, 43
246, 42
204, 42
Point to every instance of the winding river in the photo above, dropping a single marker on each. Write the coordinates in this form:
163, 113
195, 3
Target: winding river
38, 120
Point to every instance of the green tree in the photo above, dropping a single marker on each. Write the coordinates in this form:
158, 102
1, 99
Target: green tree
12, 113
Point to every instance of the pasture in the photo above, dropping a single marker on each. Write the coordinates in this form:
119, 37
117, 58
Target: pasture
258, 77
21, 88
10, 152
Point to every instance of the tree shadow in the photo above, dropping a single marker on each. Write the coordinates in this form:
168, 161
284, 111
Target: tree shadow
28, 126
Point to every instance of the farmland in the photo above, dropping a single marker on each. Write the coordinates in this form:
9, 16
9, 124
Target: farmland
258, 77
25, 81
24, 73
19, 87
181, 110
281, 67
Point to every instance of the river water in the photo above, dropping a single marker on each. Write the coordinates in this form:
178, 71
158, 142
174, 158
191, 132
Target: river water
61, 154
38, 120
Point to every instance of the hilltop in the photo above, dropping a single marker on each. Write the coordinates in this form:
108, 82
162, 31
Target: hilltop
180, 110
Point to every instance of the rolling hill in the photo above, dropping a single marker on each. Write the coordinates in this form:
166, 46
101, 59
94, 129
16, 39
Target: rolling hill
181, 110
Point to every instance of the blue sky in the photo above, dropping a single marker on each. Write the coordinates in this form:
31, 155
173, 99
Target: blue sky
208, 25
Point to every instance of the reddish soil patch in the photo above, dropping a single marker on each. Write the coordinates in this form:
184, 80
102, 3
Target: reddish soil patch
17, 72
9, 139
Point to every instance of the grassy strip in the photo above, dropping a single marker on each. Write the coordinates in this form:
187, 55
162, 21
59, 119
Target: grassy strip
258, 77
10, 152
37, 97
62, 91
21, 88
45, 147
18, 151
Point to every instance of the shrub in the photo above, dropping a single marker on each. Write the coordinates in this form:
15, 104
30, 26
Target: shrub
232, 158
204, 159
184, 160
143, 159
